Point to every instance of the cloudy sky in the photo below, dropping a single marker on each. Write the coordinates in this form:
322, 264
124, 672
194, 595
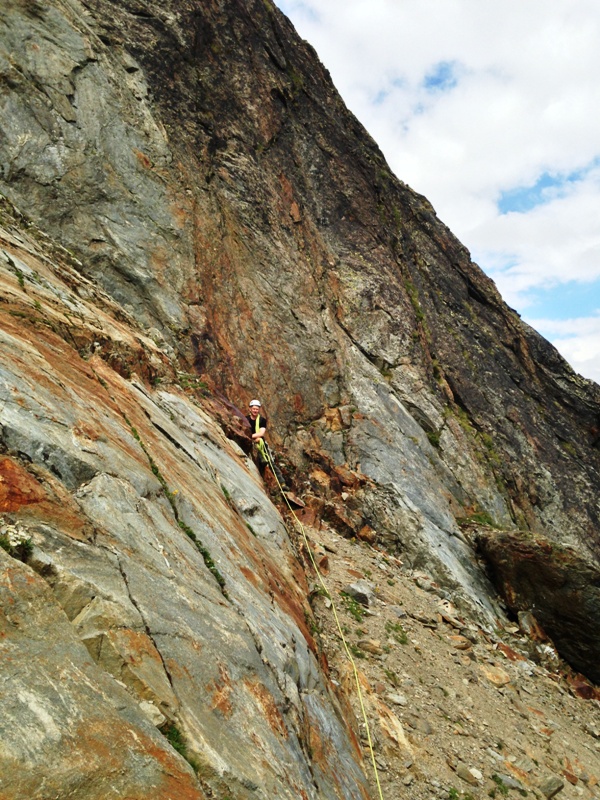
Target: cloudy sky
492, 111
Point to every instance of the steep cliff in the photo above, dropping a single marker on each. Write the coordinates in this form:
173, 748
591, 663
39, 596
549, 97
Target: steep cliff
216, 222
170, 593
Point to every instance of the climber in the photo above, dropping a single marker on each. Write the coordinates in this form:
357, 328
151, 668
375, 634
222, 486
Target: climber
264, 454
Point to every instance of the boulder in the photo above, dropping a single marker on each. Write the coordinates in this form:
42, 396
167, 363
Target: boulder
362, 591
559, 585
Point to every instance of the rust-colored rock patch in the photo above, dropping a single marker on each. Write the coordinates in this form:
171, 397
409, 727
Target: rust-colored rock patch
17, 487
265, 699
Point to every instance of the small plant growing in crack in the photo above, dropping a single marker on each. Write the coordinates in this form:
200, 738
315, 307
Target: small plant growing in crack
356, 651
502, 787
392, 677
205, 555
16, 542
395, 631
353, 607
175, 738
204, 552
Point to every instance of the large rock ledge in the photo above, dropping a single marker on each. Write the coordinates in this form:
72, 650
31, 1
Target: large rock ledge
557, 584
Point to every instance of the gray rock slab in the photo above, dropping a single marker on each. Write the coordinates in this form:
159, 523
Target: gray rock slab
67, 727
551, 786
235, 674
362, 591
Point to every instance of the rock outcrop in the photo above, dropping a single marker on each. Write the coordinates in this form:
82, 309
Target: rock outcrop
557, 584
204, 170
211, 224
172, 595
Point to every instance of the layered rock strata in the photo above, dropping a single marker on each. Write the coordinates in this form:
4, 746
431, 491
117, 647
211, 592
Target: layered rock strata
170, 594
202, 166
229, 224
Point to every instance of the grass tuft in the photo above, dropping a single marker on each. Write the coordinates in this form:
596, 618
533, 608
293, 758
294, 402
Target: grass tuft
353, 607
20, 550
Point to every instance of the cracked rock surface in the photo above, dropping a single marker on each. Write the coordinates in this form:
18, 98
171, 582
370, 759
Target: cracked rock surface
201, 166
170, 593
189, 218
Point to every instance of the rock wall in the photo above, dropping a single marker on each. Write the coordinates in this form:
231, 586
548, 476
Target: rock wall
213, 216
170, 594
202, 167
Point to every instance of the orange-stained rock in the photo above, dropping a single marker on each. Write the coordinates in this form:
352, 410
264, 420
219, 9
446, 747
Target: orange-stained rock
121, 488
17, 487
295, 212
308, 516
529, 625
334, 420
581, 687
511, 654
207, 206
294, 500
321, 478
355, 573
347, 522
108, 747
367, 534
346, 477
495, 675
460, 643
320, 557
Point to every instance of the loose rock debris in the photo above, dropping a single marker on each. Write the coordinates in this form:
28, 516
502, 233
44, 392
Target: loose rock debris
455, 709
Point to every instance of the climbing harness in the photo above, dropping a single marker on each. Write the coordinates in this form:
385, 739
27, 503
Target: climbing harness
335, 614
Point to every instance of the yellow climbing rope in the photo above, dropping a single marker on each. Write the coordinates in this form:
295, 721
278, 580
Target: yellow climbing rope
336, 617
260, 443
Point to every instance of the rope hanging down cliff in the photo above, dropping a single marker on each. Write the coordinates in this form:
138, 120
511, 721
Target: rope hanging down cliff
336, 617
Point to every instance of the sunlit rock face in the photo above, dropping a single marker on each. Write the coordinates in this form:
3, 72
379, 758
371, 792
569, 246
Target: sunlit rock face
210, 207
169, 595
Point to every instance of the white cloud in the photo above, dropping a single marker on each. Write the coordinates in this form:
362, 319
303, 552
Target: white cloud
578, 340
552, 243
523, 101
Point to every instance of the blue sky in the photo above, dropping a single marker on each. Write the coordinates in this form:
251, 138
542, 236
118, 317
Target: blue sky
571, 299
524, 198
441, 77
491, 110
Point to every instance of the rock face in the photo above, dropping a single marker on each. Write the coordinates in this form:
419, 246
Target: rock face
204, 170
67, 726
209, 216
176, 597
561, 587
